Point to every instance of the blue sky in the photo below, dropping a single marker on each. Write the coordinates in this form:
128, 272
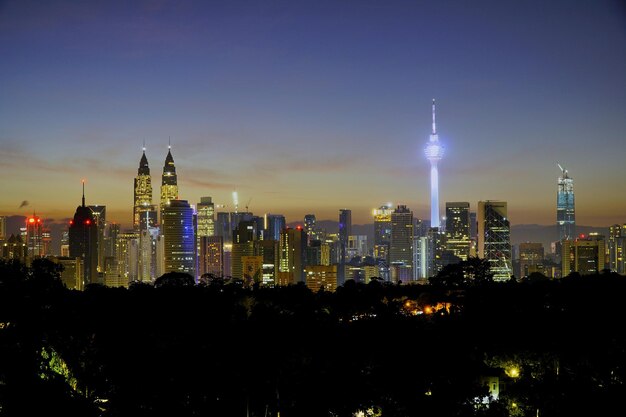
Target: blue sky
314, 106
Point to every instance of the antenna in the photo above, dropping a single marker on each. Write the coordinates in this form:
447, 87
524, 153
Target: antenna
144, 145
434, 124
169, 142
83, 193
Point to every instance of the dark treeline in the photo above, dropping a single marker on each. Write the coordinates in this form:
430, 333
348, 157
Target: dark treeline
556, 347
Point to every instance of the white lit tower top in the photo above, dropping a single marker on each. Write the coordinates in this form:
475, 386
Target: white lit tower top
434, 153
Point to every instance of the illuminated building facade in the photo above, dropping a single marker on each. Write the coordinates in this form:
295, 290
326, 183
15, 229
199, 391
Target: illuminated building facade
244, 236
144, 212
99, 214
617, 248
401, 243
585, 255
565, 214
211, 258
169, 181
458, 229
83, 240
274, 225
179, 251
3, 229
321, 276
206, 217
34, 236
345, 230
291, 256
530, 258
382, 231
434, 153
310, 227
494, 238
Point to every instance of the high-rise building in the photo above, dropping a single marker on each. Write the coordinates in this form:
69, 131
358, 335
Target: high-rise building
530, 258
169, 181
244, 237
494, 238
382, 231
585, 255
144, 212
310, 227
274, 224
345, 230
291, 256
223, 227
34, 236
206, 217
83, 236
617, 248
458, 229
565, 214
434, 153
401, 243
99, 215
179, 240
3, 229
211, 258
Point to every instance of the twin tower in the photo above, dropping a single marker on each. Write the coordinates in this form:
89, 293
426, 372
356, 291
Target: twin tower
144, 212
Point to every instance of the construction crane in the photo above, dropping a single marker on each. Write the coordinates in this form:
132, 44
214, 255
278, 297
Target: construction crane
248, 204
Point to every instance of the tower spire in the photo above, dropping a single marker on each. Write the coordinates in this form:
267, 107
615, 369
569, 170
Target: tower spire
434, 124
144, 146
83, 193
169, 142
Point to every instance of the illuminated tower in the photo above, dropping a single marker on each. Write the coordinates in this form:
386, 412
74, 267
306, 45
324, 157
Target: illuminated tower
434, 153
83, 237
565, 216
382, 231
169, 184
206, 216
143, 197
34, 236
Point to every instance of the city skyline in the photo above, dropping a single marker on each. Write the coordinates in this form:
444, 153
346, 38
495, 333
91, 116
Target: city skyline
300, 120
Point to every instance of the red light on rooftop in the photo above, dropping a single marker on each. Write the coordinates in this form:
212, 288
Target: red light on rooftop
71, 222
87, 221
299, 227
581, 236
31, 220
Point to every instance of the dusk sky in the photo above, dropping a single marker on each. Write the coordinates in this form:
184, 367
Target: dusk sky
309, 107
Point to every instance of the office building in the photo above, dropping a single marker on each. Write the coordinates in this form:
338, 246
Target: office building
382, 231
34, 236
494, 238
401, 244
531, 257
144, 212
458, 229
617, 248
178, 237
585, 255
565, 214
83, 241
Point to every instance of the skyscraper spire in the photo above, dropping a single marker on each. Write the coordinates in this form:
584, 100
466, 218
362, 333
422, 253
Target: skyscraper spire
83, 193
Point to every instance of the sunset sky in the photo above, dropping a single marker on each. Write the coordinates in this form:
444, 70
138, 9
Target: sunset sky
312, 106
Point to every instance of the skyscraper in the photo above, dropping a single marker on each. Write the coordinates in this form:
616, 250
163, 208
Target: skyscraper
345, 230
617, 248
310, 227
291, 256
458, 229
585, 255
274, 225
169, 182
401, 244
34, 236
494, 238
3, 228
206, 217
83, 235
565, 215
99, 215
530, 258
144, 212
434, 152
382, 231
179, 241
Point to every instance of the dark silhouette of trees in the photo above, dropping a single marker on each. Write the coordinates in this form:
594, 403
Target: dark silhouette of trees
224, 349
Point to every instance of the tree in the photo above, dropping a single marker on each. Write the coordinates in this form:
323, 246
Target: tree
174, 280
